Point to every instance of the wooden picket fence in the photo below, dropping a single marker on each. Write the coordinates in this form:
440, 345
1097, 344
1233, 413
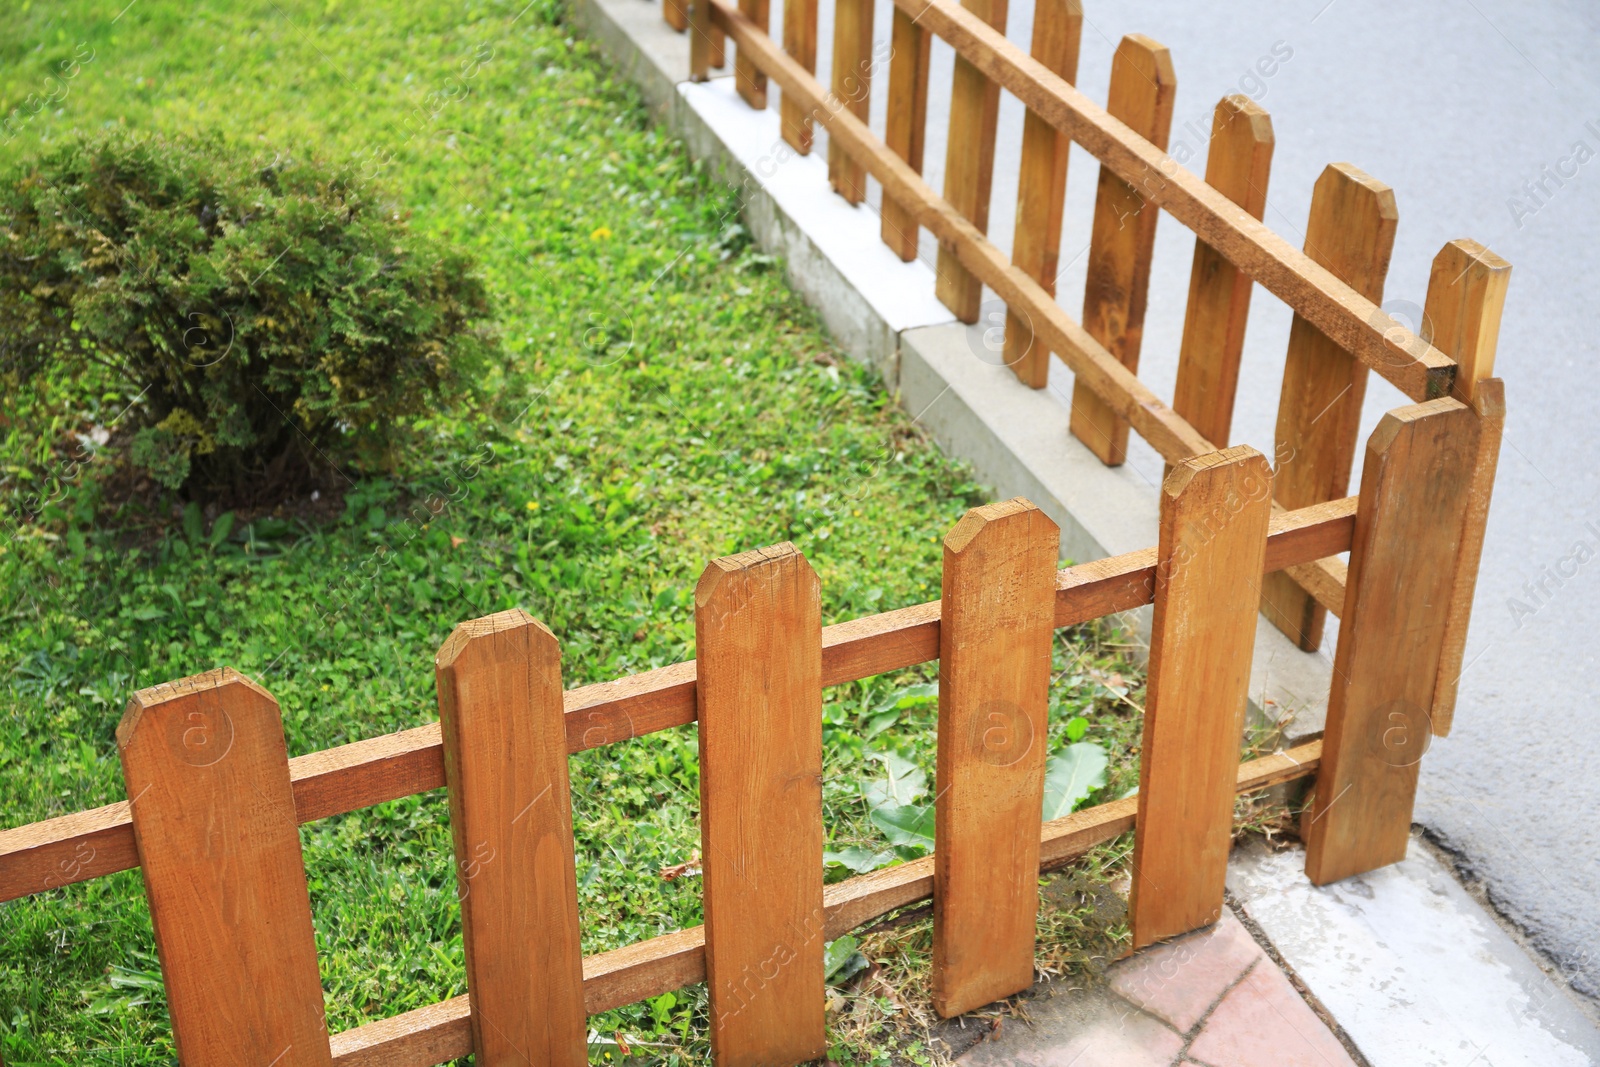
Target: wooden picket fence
215, 801
1339, 332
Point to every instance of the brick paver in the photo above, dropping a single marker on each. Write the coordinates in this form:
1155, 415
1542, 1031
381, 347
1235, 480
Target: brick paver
1179, 981
1262, 1022
1211, 999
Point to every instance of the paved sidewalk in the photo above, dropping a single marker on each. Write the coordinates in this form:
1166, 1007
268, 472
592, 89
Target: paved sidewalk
1212, 999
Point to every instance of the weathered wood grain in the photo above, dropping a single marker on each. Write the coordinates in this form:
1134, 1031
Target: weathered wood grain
1351, 233
1143, 88
1415, 488
758, 643
1214, 515
214, 820
997, 626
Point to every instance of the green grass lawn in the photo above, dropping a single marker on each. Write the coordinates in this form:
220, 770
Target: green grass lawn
669, 400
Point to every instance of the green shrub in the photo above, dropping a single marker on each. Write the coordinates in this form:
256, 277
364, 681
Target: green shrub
266, 312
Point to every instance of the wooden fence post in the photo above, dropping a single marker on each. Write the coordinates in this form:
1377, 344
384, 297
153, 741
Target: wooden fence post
998, 621
800, 41
1351, 233
505, 758
758, 644
747, 77
1214, 514
1415, 487
969, 165
1466, 294
1237, 165
907, 124
700, 32
707, 43
1123, 236
676, 14
214, 819
852, 89
1042, 186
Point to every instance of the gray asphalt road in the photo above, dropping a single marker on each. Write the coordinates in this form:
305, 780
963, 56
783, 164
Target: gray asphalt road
1461, 105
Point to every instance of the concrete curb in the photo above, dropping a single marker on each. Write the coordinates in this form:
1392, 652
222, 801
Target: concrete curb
642, 47
882, 312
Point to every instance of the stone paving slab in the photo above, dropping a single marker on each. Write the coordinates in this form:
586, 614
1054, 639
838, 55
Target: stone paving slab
1414, 970
1210, 999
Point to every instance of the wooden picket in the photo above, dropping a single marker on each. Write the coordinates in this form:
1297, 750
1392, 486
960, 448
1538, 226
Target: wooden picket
1415, 487
758, 647
852, 89
997, 622
1042, 187
906, 127
800, 41
505, 757
1237, 165
676, 14
969, 165
1466, 295
703, 51
1143, 87
213, 816
748, 79
1351, 233
1214, 515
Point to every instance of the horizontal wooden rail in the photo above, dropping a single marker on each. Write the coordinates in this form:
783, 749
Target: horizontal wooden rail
90, 844
442, 1032
1324, 579
1358, 325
